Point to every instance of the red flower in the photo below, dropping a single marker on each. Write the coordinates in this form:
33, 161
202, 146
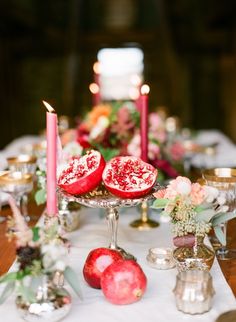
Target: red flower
83, 136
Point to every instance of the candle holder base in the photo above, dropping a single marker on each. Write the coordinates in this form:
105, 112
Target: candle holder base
144, 225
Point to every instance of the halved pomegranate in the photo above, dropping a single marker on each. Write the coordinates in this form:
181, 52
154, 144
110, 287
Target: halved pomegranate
129, 177
83, 174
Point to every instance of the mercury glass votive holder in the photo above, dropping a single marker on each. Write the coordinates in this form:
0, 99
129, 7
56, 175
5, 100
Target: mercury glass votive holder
160, 258
194, 291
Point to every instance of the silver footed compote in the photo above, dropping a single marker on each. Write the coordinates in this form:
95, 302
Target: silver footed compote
103, 199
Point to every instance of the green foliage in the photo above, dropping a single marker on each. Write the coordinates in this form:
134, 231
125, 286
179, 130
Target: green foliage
26, 293
40, 196
108, 153
222, 218
7, 291
220, 235
160, 203
72, 280
9, 277
205, 215
36, 235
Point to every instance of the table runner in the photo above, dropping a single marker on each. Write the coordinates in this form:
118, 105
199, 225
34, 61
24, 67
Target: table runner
158, 303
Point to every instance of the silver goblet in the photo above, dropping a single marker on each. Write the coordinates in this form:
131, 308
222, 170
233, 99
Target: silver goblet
17, 185
25, 164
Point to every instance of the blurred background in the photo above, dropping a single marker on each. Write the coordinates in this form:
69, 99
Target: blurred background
47, 51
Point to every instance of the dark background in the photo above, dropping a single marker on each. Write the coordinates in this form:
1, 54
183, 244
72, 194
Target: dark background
47, 49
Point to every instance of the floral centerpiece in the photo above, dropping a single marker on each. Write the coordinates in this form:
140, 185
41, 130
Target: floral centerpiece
41, 267
109, 128
193, 210
113, 129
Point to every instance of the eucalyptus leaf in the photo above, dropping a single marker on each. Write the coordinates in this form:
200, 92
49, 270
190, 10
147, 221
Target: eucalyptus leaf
8, 277
203, 207
223, 217
205, 215
72, 280
220, 235
8, 290
35, 282
159, 203
40, 196
61, 292
26, 293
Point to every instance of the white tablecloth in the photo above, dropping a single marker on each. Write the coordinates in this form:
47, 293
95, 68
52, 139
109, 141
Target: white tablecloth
158, 303
225, 155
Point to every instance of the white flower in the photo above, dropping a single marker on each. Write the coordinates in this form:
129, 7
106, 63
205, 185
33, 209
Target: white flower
183, 187
222, 209
211, 193
60, 266
54, 256
221, 200
101, 125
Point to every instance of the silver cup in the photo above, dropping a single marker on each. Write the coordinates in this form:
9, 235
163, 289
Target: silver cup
194, 291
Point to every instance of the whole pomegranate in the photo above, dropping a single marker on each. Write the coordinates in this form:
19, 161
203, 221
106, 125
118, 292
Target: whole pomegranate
97, 261
123, 282
129, 177
83, 174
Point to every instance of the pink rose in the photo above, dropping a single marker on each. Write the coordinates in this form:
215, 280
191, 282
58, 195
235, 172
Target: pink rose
179, 186
160, 194
197, 194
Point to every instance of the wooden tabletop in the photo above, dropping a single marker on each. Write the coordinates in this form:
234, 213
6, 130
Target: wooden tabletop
7, 249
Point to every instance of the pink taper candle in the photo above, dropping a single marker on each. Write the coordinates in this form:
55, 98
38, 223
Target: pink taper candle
51, 160
144, 122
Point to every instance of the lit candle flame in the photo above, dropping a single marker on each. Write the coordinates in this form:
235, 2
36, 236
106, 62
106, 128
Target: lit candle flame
94, 88
96, 67
49, 107
145, 89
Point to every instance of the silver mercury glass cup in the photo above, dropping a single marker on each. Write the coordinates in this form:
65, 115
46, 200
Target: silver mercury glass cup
194, 291
224, 179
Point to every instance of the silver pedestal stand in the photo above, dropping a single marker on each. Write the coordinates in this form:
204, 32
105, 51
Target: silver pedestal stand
112, 205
